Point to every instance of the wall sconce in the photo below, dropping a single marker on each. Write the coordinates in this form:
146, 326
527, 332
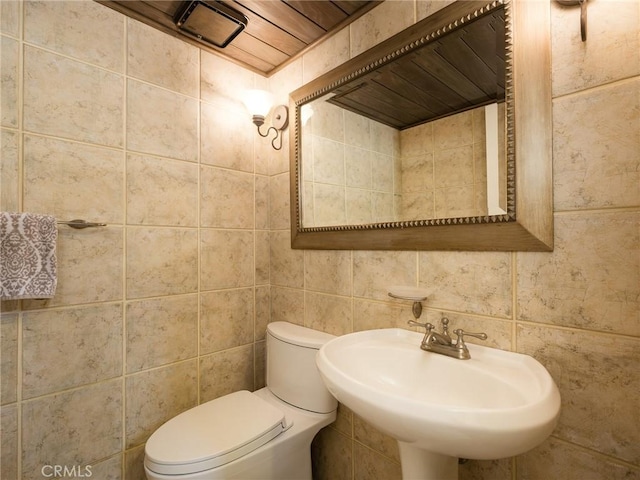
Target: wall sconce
259, 102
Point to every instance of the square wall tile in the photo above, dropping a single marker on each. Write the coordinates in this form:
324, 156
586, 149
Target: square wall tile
161, 122
286, 80
226, 198
328, 313
596, 148
262, 258
471, 282
9, 171
287, 305
263, 312
223, 82
332, 455
328, 271
259, 365
71, 438
612, 41
10, 12
599, 379
83, 30
380, 23
263, 195
358, 167
558, 459
501, 469
368, 464
357, 130
424, 8
9, 94
155, 396
110, 469
368, 315
591, 278
67, 348
73, 180
161, 261
374, 272
163, 60
161, 331
225, 372
226, 319
8, 358
78, 253
227, 138
226, 258
326, 56
373, 438
287, 265
9, 442
279, 202
161, 191
70, 99
134, 464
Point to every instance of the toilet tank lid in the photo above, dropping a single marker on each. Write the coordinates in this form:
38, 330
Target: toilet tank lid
298, 335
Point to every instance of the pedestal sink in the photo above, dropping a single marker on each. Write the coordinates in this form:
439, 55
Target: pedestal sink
495, 405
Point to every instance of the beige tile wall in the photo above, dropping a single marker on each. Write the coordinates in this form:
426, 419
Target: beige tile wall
576, 309
134, 335
108, 120
443, 168
350, 175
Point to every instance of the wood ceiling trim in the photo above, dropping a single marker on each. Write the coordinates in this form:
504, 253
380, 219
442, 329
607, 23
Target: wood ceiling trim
287, 18
323, 13
169, 7
259, 49
278, 32
367, 5
267, 32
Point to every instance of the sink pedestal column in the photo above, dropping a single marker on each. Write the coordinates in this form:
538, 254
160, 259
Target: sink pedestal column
423, 465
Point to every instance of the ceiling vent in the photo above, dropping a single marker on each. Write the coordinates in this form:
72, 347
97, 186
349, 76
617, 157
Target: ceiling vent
210, 22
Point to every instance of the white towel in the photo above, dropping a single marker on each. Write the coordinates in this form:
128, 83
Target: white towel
28, 267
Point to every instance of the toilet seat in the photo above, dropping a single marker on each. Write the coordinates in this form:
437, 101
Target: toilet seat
214, 433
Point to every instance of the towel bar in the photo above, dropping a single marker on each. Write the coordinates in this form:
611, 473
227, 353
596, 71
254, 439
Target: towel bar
80, 224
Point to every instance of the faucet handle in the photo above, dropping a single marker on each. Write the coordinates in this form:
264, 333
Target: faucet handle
461, 333
426, 325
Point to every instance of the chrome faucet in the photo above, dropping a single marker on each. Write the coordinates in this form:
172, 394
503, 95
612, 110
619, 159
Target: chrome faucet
442, 342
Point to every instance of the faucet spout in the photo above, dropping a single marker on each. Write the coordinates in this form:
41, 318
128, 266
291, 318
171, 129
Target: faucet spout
437, 338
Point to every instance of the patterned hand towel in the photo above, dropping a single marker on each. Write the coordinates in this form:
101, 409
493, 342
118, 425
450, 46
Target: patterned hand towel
28, 266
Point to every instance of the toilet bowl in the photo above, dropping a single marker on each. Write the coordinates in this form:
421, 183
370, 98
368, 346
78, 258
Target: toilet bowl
262, 435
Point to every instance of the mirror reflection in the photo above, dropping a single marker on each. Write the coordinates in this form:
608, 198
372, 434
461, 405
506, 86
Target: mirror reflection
359, 171
420, 138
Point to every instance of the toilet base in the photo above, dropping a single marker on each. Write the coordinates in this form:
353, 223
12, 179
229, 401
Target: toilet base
286, 457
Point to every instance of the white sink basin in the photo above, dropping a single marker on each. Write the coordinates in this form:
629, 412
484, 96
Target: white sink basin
497, 404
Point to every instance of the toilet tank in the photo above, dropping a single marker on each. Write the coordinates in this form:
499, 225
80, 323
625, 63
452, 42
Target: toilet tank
292, 374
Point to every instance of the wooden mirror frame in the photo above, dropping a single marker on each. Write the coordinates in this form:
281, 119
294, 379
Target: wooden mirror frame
528, 223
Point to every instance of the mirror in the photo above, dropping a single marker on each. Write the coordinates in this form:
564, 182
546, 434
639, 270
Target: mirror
358, 171
438, 138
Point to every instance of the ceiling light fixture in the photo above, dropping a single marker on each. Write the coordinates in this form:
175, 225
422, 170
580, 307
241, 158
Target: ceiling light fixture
259, 102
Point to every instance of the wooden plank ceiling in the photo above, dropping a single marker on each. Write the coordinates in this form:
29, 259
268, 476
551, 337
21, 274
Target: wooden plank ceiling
460, 71
277, 30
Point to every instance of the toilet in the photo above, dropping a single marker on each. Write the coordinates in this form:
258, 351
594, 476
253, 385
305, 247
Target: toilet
262, 435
